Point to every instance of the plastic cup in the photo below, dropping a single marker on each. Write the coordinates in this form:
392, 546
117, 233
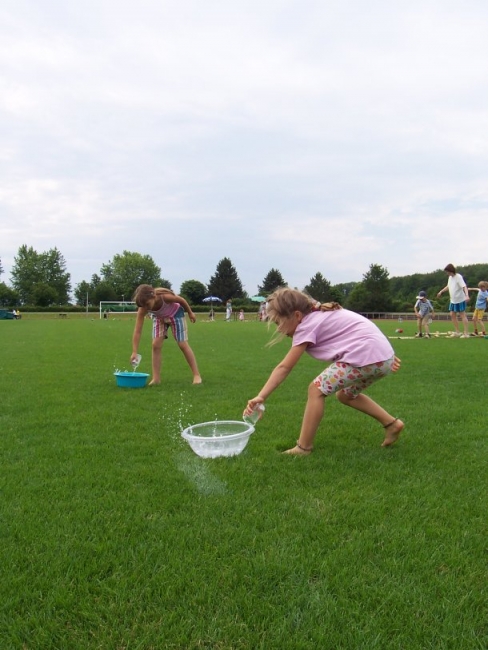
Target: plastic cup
135, 362
256, 415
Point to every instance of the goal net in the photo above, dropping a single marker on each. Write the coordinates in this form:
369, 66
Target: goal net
116, 307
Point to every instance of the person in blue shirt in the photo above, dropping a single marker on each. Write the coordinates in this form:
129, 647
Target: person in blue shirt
479, 309
424, 311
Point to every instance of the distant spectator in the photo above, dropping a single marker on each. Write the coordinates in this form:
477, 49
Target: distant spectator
423, 310
479, 309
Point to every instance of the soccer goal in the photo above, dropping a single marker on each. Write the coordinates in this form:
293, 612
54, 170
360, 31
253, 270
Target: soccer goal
116, 307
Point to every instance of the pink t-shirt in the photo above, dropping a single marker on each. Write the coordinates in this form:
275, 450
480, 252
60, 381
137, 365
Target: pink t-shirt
342, 335
167, 310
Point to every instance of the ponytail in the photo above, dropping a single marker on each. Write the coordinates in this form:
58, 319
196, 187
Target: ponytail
329, 306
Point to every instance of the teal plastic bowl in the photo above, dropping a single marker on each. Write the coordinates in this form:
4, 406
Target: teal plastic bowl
131, 379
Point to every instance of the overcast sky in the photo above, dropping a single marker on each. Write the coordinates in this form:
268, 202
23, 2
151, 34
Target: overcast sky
305, 136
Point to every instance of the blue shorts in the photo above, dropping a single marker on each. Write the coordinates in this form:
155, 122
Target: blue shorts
177, 323
457, 306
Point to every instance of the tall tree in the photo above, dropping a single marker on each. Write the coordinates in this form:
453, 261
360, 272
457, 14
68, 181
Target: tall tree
81, 291
1, 267
32, 268
377, 284
358, 299
373, 293
225, 282
320, 289
272, 281
193, 290
55, 275
127, 271
8, 297
26, 272
43, 295
344, 289
103, 291
95, 280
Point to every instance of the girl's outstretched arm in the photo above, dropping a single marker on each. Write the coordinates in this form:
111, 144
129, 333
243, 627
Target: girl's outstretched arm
182, 302
136, 337
278, 376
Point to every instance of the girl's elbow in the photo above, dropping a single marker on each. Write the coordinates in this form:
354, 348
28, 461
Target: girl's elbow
284, 370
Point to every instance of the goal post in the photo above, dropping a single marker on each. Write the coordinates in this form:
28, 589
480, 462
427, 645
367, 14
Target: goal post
116, 307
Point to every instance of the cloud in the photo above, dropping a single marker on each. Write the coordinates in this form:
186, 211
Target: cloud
303, 136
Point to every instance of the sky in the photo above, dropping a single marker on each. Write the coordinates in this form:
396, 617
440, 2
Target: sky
304, 136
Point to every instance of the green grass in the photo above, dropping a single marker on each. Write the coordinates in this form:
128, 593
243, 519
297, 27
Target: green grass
113, 534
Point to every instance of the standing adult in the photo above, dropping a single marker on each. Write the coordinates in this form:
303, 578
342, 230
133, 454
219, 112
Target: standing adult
228, 310
262, 311
459, 298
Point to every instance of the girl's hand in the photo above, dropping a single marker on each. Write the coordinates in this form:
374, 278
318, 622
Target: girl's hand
192, 316
396, 364
133, 357
251, 405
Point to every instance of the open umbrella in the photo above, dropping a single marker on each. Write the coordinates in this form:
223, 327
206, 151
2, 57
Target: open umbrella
258, 299
211, 300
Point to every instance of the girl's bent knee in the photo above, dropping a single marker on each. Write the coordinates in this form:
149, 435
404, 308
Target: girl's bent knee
314, 391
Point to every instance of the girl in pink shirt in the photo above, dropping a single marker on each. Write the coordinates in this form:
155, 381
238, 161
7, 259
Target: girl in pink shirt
359, 352
167, 310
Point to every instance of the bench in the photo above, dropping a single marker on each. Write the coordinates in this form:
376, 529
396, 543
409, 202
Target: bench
62, 315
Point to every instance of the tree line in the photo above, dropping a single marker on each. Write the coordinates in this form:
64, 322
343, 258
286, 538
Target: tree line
41, 279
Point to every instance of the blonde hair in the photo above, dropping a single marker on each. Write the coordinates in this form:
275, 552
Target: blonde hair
483, 284
146, 292
284, 302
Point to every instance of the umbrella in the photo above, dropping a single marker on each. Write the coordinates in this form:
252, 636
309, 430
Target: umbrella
212, 299
258, 299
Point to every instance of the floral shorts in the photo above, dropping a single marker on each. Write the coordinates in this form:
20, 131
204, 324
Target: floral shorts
342, 376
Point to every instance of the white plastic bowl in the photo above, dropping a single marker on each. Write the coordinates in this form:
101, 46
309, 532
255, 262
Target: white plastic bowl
218, 438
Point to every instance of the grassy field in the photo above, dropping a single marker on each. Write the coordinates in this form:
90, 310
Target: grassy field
115, 535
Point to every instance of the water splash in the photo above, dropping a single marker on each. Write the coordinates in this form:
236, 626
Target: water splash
198, 473
174, 419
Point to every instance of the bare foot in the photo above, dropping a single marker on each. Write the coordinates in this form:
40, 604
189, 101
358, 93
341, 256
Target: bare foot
197, 379
154, 382
393, 431
296, 451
